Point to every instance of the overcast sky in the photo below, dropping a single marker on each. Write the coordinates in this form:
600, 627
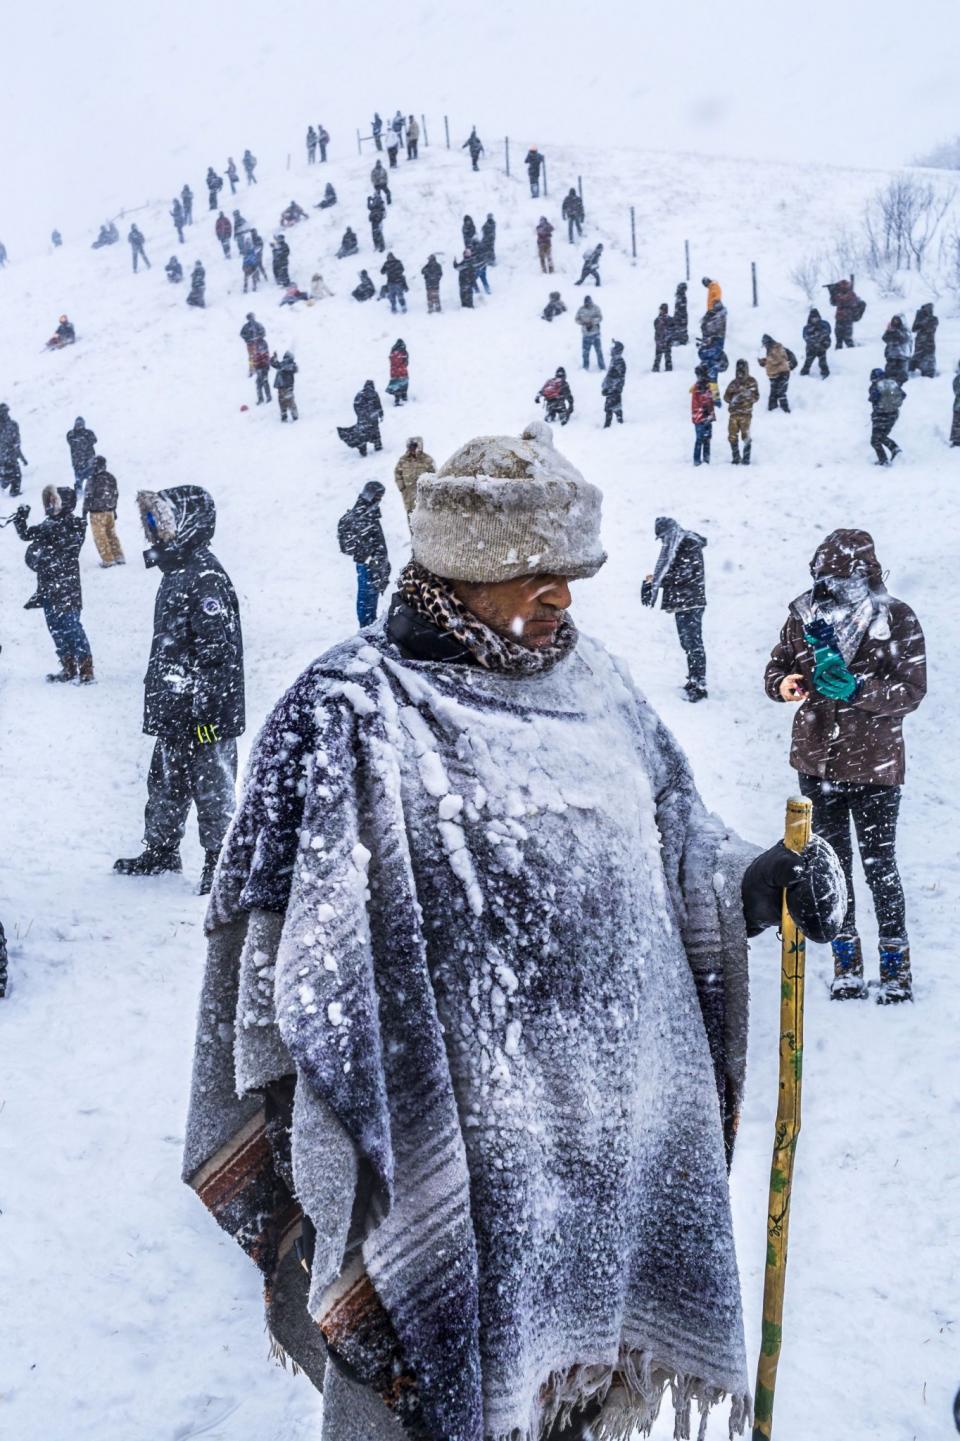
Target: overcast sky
107, 104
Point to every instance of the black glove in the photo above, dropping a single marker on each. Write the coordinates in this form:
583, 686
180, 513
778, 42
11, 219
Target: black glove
23, 510
814, 882
646, 592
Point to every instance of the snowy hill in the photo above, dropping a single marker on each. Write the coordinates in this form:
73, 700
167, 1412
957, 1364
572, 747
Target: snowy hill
132, 1317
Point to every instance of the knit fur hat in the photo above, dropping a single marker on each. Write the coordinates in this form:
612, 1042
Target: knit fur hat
505, 506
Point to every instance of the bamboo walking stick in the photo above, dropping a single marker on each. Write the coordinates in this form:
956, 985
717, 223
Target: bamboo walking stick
796, 835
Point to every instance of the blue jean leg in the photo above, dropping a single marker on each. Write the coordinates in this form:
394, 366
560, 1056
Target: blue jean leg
367, 597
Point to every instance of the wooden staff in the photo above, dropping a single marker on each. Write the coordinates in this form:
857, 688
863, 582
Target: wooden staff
796, 836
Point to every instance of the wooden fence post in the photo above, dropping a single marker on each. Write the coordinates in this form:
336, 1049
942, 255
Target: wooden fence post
544, 168
753, 277
686, 258
446, 127
423, 127
359, 146
633, 232
580, 187
506, 152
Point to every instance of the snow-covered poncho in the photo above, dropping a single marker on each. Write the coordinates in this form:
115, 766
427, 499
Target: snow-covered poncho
488, 925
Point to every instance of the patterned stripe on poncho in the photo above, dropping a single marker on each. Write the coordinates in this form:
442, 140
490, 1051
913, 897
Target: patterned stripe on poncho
510, 981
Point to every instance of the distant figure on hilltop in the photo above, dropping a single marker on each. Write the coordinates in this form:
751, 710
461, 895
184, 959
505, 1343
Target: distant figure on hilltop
174, 270
108, 235
311, 145
223, 230
249, 166
135, 237
681, 332
663, 339
924, 358
572, 212
323, 140
545, 245
186, 199
232, 174
816, 337
533, 160
198, 287
177, 216
413, 137
376, 130
591, 265
474, 144
214, 186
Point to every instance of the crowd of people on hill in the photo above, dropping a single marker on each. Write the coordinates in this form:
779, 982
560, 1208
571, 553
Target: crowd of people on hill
408, 854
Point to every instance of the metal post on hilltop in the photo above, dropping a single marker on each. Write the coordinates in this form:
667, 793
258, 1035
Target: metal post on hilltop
359, 145
446, 127
288, 159
633, 232
506, 152
686, 258
753, 278
544, 169
423, 127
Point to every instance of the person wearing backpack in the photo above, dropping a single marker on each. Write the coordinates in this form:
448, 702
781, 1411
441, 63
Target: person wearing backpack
283, 384
849, 308
589, 318
545, 245
557, 397
886, 395
399, 382
360, 536
778, 363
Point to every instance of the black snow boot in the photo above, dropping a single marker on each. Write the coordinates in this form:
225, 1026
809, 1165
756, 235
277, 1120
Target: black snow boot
155, 861
848, 983
210, 859
746, 452
734, 453
695, 690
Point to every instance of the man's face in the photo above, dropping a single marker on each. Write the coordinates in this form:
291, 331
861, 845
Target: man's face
527, 610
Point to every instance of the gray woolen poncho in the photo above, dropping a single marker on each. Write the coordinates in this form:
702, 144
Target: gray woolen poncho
506, 963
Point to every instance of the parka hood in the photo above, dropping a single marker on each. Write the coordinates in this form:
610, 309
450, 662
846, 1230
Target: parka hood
177, 522
845, 553
372, 493
742, 370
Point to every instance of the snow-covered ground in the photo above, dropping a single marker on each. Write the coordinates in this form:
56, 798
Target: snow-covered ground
128, 1315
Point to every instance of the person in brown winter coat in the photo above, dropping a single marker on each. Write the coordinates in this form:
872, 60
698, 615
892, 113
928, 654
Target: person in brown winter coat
740, 396
778, 363
100, 507
412, 464
852, 659
545, 245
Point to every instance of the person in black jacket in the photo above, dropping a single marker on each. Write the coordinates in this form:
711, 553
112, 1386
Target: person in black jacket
135, 237
612, 387
369, 412
679, 579
572, 212
11, 456
681, 332
83, 451
392, 268
214, 186
924, 357
557, 397
432, 273
488, 240
174, 270
817, 334
283, 384
348, 245
553, 307
186, 200
360, 535
198, 286
53, 553
466, 279
366, 290
193, 690
376, 213
469, 232
533, 160
663, 339
281, 260
233, 174
474, 144
177, 216
100, 507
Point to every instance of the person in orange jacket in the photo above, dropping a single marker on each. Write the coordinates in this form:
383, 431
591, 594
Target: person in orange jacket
714, 291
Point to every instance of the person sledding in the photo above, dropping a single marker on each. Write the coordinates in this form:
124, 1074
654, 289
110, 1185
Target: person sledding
293, 214
62, 336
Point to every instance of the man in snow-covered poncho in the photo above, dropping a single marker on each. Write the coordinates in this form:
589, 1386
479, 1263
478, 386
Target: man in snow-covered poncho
471, 1040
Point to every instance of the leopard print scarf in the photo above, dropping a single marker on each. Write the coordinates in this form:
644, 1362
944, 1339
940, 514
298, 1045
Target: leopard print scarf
433, 598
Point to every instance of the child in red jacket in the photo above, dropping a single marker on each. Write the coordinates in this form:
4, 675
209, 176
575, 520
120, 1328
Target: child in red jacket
702, 414
399, 373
